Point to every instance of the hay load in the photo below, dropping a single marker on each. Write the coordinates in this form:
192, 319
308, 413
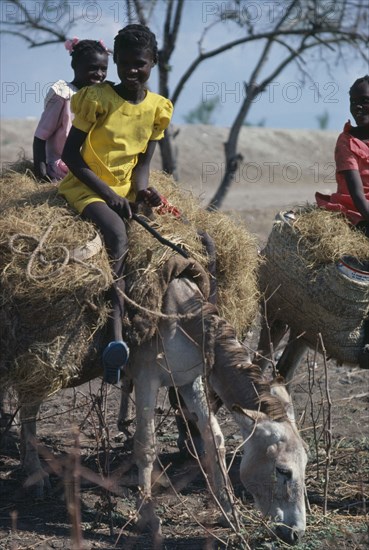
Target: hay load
46, 297
53, 306
237, 258
304, 285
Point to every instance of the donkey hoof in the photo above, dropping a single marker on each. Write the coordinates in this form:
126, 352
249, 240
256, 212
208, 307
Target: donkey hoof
227, 519
39, 489
223, 521
148, 521
151, 525
126, 427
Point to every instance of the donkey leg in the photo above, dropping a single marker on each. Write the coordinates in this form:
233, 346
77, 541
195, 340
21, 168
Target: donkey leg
196, 402
146, 389
37, 482
291, 356
5, 417
127, 407
188, 432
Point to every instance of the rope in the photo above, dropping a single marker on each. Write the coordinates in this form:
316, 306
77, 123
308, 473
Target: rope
38, 255
169, 316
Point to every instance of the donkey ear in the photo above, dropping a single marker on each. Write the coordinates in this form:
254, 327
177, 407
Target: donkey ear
255, 416
278, 389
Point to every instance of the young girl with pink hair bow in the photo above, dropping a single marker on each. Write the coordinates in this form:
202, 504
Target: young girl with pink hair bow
90, 65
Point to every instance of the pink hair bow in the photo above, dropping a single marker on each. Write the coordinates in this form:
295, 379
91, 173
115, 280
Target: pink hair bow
69, 44
102, 43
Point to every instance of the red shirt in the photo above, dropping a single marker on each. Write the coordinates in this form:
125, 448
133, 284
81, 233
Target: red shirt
350, 154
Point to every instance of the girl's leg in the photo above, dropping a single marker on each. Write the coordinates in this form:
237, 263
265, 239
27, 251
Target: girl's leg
114, 233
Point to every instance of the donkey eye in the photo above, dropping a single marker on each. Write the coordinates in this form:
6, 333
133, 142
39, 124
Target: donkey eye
283, 472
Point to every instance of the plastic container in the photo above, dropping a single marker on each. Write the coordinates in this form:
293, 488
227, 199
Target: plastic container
354, 269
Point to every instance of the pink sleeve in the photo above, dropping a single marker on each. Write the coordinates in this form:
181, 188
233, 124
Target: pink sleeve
49, 121
345, 157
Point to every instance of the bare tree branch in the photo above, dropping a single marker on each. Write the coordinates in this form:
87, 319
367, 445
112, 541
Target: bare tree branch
139, 12
312, 38
34, 27
169, 42
344, 36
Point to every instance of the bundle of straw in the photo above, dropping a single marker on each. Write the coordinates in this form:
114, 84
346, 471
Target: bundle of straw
45, 296
236, 252
54, 308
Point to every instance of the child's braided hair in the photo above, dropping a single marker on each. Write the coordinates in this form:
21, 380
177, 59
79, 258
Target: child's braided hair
359, 81
79, 48
138, 37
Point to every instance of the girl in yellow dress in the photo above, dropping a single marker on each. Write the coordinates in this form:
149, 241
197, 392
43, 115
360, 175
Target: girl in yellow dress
108, 152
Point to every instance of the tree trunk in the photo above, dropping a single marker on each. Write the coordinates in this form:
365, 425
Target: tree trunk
233, 159
167, 147
232, 163
168, 153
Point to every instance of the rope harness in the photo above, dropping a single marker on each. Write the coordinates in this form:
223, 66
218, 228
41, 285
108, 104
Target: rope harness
38, 255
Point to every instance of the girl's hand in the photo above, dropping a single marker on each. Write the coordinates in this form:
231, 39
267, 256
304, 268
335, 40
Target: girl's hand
120, 205
149, 196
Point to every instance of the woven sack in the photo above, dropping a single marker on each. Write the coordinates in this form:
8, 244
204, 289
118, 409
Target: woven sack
313, 300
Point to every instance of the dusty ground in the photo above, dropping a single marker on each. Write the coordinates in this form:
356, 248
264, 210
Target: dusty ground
187, 512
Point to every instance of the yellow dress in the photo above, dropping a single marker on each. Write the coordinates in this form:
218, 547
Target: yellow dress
118, 131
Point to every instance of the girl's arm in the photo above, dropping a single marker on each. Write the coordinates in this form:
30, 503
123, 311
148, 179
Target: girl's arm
47, 126
140, 177
356, 190
39, 158
79, 168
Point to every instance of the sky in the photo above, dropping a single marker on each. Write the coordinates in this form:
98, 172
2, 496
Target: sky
288, 102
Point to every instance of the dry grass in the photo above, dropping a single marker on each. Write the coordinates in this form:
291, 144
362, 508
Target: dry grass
37, 233
326, 236
236, 249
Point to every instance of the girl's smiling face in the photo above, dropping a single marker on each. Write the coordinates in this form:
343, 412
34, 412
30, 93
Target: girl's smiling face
359, 103
90, 69
134, 68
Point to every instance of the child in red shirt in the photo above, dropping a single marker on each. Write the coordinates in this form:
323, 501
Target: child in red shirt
352, 162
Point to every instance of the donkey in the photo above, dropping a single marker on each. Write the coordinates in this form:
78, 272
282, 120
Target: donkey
274, 458
312, 304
